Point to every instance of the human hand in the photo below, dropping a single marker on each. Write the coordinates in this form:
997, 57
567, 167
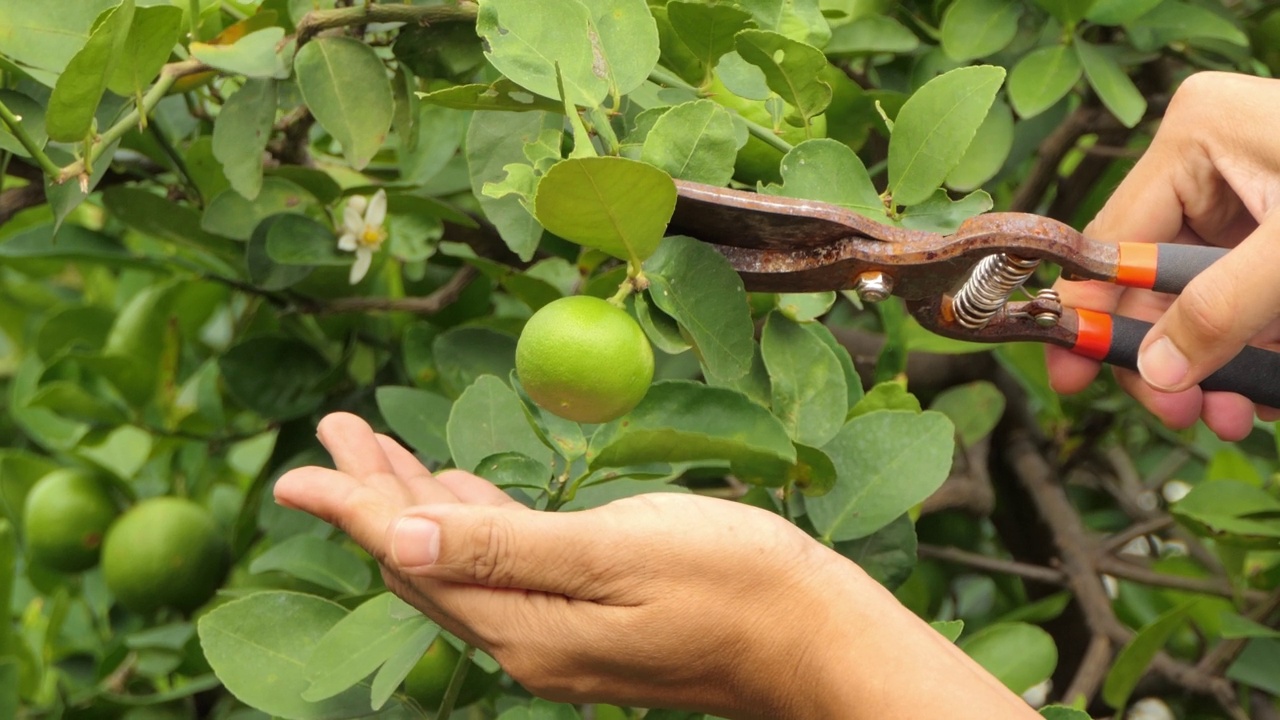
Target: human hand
659, 600
1210, 176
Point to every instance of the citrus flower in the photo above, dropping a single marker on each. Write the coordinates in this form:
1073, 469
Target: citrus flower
363, 231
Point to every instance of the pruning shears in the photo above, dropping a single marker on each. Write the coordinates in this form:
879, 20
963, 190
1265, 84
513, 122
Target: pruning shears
958, 285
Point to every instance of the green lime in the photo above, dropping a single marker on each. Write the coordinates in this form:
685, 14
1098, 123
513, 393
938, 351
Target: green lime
584, 359
429, 678
164, 552
66, 514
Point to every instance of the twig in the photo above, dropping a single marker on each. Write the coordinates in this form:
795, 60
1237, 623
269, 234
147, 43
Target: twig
1078, 556
1225, 652
1038, 573
428, 305
168, 75
318, 21
1139, 529
1092, 670
1049, 157
1128, 571
14, 123
661, 76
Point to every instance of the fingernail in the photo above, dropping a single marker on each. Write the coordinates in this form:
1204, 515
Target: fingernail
1162, 365
415, 542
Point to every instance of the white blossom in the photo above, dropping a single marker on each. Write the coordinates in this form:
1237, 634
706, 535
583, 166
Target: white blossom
363, 231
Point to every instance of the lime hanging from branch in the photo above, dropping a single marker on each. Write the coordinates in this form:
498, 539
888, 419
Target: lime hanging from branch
584, 359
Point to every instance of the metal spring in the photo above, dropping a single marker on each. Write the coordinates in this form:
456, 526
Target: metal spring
989, 287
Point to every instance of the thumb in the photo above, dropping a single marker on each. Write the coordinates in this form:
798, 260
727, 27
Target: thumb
500, 547
1216, 315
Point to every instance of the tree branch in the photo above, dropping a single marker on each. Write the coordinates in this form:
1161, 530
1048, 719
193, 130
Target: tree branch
1129, 571
428, 305
1039, 573
318, 21
15, 200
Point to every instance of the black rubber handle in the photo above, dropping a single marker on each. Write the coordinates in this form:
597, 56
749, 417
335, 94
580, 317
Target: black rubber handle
1176, 265
1254, 373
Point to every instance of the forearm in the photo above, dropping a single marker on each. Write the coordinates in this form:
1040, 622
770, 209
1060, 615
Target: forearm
878, 660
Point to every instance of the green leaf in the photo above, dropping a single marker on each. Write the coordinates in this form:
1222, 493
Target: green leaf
974, 408
231, 215
1020, 655
75, 98
808, 385
973, 29
829, 171
707, 30
1232, 512
418, 417
1113, 86
949, 629
624, 42
502, 94
1119, 12
1256, 666
488, 419
694, 284
528, 46
152, 35
1042, 78
680, 421
465, 354
934, 128
48, 34
276, 377
1132, 661
298, 240
73, 402
871, 35
888, 555
259, 646
345, 86
151, 214
851, 378
801, 20
318, 561
73, 243
941, 214
253, 55
885, 396
31, 114
812, 473
511, 469
791, 69
400, 664
694, 141
541, 710
263, 271
612, 204
887, 462
241, 132
495, 141
1173, 21
605, 492
1231, 464
803, 307
988, 151
359, 643
1067, 12
1235, 625
662, 329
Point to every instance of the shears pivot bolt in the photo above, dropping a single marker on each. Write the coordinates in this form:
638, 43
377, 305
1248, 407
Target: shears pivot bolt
873, 286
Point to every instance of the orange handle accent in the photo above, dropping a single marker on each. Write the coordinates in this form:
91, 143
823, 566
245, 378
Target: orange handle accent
1093, 336
1137, 265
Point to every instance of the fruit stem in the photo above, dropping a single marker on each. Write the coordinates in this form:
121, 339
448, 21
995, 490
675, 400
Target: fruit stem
455, 683
636, 281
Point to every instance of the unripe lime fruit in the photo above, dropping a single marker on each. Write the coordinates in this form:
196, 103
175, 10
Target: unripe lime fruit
65, 516
164, 552
429, 678
584, 359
